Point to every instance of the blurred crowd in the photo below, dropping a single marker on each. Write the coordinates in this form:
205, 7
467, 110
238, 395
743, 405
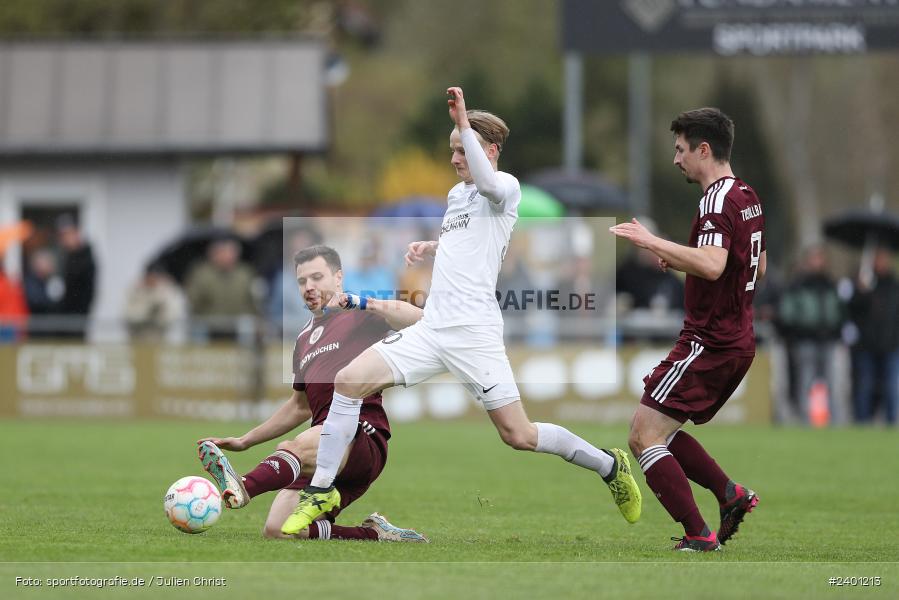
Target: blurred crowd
835, 329
839, 337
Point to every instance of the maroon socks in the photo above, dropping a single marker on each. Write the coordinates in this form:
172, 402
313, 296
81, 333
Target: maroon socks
275, 472
698, 466
325, 530
666, 478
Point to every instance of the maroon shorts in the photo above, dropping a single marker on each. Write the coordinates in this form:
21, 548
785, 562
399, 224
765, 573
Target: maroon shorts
693, 382
364, 464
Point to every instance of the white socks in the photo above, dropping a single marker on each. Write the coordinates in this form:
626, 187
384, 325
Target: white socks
337, 433
552, 439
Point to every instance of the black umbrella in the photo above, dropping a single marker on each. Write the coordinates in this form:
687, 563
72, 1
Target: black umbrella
269, 245
581, 190
178, 255
859, 228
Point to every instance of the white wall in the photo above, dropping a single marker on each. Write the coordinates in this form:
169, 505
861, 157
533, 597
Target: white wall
128, 210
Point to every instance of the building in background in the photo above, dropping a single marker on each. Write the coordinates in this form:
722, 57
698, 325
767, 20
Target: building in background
100, 132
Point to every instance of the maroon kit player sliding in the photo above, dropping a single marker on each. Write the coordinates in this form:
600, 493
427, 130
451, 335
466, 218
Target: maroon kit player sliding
724, 261
333, 337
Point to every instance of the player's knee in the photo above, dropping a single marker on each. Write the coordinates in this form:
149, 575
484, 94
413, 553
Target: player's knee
519, 440
292, 446
635, 442
306, 451
271, 532
348, 384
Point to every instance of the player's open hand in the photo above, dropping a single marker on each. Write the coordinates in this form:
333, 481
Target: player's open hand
456, 102
228, 443
634, 232
417, 251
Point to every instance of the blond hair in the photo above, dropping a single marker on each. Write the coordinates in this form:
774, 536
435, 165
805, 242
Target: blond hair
491, 128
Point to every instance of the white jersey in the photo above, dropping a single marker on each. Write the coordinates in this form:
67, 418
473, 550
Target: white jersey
473, 240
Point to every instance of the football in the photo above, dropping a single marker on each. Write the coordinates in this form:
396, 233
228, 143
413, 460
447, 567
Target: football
193, 504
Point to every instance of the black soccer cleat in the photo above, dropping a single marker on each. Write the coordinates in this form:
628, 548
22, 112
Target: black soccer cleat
697, 543
734, 510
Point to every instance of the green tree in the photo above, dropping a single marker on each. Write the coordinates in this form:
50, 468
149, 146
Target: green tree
535, 120
430, 127
752, 161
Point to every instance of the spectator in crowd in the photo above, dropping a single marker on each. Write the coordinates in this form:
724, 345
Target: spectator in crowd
287, 311
79, 275
645, 286
810, 317
44, 287
13, 307
44, 292
514, 278
646, 294
371, 277
875, 310
221, 288
155, 308
583, 296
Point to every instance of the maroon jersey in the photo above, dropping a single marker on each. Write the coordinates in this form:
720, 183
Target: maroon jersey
326, 345
719, 313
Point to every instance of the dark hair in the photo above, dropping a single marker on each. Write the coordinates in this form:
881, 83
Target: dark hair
312, 252
708, 125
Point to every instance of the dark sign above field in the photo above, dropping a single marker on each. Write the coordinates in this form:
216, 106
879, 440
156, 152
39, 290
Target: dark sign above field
730, 27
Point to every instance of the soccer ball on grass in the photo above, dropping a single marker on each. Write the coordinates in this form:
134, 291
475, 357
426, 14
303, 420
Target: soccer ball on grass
193, 504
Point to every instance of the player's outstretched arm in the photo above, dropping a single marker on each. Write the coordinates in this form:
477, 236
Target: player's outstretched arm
482, 172
707, 262
397, 313
290, 415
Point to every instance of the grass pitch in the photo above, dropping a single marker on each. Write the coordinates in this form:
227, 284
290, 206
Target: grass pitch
85, 500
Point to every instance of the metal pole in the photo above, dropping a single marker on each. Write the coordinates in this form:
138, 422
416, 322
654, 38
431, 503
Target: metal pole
639, 119
573, 112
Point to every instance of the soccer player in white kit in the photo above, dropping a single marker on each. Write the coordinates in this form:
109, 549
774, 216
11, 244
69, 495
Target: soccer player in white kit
461, 331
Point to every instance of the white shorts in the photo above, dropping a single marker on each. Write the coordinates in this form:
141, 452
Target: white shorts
475, 354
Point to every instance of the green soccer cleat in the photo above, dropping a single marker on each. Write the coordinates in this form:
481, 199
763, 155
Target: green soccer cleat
234, 494
624, 489
314, 502
391, 533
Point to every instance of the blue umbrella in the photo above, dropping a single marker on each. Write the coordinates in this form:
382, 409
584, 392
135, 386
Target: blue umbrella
414, 207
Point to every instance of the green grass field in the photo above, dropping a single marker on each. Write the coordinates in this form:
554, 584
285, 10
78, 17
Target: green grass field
86, 500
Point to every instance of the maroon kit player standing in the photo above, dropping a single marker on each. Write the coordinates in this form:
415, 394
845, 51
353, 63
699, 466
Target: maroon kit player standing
333, 337
724, 261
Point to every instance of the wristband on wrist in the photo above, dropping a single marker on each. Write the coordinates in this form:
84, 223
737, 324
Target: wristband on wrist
356, 301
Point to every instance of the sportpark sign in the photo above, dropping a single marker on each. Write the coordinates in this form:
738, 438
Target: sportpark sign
730, 27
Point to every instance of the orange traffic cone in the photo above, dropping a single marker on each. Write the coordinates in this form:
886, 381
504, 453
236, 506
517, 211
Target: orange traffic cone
818, 406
